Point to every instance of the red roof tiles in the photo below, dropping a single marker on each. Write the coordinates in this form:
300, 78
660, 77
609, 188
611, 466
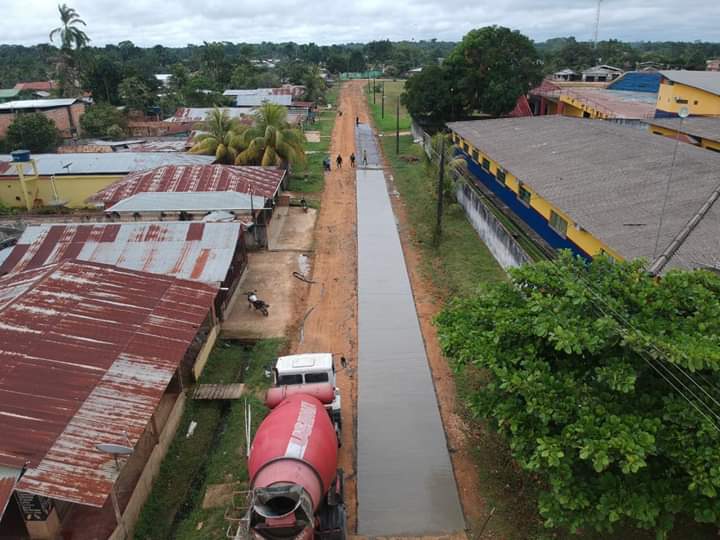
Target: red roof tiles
261, 181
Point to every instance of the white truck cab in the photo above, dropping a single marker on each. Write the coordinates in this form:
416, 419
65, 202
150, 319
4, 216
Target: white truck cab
310, 368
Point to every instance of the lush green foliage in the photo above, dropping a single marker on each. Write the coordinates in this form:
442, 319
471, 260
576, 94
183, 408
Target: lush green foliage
98, 119
34, 132
135, 94
271, 141
221, 137
492, 67
72, 39
430, 97
570, 349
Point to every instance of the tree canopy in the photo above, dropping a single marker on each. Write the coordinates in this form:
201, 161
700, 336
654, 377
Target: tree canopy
578, 357
98, 119
34, 132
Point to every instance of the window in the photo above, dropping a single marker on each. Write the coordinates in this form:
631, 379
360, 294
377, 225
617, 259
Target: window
486, 164
316, 377
466, 147
524, 196
475, 156
501, 176
290, 379
558, 224
681, 101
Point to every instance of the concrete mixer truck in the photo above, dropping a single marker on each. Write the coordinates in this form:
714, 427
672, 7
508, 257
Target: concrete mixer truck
296, 489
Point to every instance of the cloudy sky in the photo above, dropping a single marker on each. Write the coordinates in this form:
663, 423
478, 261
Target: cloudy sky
179, 22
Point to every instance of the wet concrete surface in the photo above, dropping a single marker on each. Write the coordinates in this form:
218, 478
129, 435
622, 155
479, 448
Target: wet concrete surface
405, 479
365, 141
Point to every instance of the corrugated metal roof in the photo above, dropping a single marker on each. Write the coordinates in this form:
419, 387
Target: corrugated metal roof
608, 178
698, 126
709, 81
36, 85
36, 104
8, 479
262, 181
8, 93
87, 351
103, 163
255, 98
202, 201
184, 249
616, 103
198, 114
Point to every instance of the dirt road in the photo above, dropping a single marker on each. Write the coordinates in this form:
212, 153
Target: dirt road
331, 326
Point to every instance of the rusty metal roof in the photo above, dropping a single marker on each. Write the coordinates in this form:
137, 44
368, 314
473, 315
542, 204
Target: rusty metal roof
8, 479
262, 181
185, 249
86, 352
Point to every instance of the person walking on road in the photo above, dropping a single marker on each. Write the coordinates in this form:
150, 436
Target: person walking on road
364, 158
357, 120
352, 160
338, 162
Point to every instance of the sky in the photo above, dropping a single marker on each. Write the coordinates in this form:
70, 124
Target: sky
177, 23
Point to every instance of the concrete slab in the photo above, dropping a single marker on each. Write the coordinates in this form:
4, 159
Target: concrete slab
270, 274
312, 136
365, 142
291, 229
405, 478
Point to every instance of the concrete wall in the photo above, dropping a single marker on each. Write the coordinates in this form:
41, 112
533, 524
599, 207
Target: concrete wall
75, 189
506, 250
672, 97
150, 473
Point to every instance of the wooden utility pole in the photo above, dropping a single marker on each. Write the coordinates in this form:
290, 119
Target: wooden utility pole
397, 127
382, 113
441, 181
373, 83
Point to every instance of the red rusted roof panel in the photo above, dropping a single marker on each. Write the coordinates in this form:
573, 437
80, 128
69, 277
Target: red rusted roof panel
8, 478
86, 352
184, 249
261, 181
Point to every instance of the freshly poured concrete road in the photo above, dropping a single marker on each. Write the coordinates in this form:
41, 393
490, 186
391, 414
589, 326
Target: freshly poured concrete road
405, 480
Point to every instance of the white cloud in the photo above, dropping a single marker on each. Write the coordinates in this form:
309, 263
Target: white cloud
180, 22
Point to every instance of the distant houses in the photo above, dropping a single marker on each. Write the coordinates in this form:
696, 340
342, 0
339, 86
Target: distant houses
66, 113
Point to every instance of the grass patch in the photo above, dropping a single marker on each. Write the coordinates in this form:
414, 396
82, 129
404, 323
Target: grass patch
311, 177
393, 89
214, 454
462, 261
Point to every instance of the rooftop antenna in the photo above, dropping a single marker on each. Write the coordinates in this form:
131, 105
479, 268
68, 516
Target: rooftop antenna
597, 25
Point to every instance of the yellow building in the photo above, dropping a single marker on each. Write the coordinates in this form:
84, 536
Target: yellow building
699, 131
69, 179
698, 91
597, 187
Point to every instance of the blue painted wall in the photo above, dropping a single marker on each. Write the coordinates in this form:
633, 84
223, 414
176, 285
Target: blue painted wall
637, 81
529, 215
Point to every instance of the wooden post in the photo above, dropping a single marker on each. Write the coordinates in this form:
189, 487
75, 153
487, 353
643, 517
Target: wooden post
397, 127
441, 180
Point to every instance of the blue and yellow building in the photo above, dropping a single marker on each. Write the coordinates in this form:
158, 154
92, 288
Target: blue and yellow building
596, 187
699, 131
697, 91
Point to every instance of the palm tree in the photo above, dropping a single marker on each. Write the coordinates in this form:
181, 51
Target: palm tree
70, 35
271, 141
221, 136
455, 165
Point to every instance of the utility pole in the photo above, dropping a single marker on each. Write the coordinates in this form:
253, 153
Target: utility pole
397, 127
382, 113
441, 180
373, 83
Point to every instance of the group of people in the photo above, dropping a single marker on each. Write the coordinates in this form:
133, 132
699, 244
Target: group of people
339, 161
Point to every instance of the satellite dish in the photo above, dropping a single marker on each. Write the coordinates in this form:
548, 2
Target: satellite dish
115, 450
684, 112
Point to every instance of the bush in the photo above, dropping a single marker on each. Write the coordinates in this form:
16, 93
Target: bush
34, 132
115, 132
99, 119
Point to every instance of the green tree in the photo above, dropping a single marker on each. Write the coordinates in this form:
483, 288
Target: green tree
221, 137
101, 76
573, 354
379, 52
271, 141
431, 97
71, 38
356, 61
314, 84
337, 62
135, 94
98, 119
495, 66
34, 132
